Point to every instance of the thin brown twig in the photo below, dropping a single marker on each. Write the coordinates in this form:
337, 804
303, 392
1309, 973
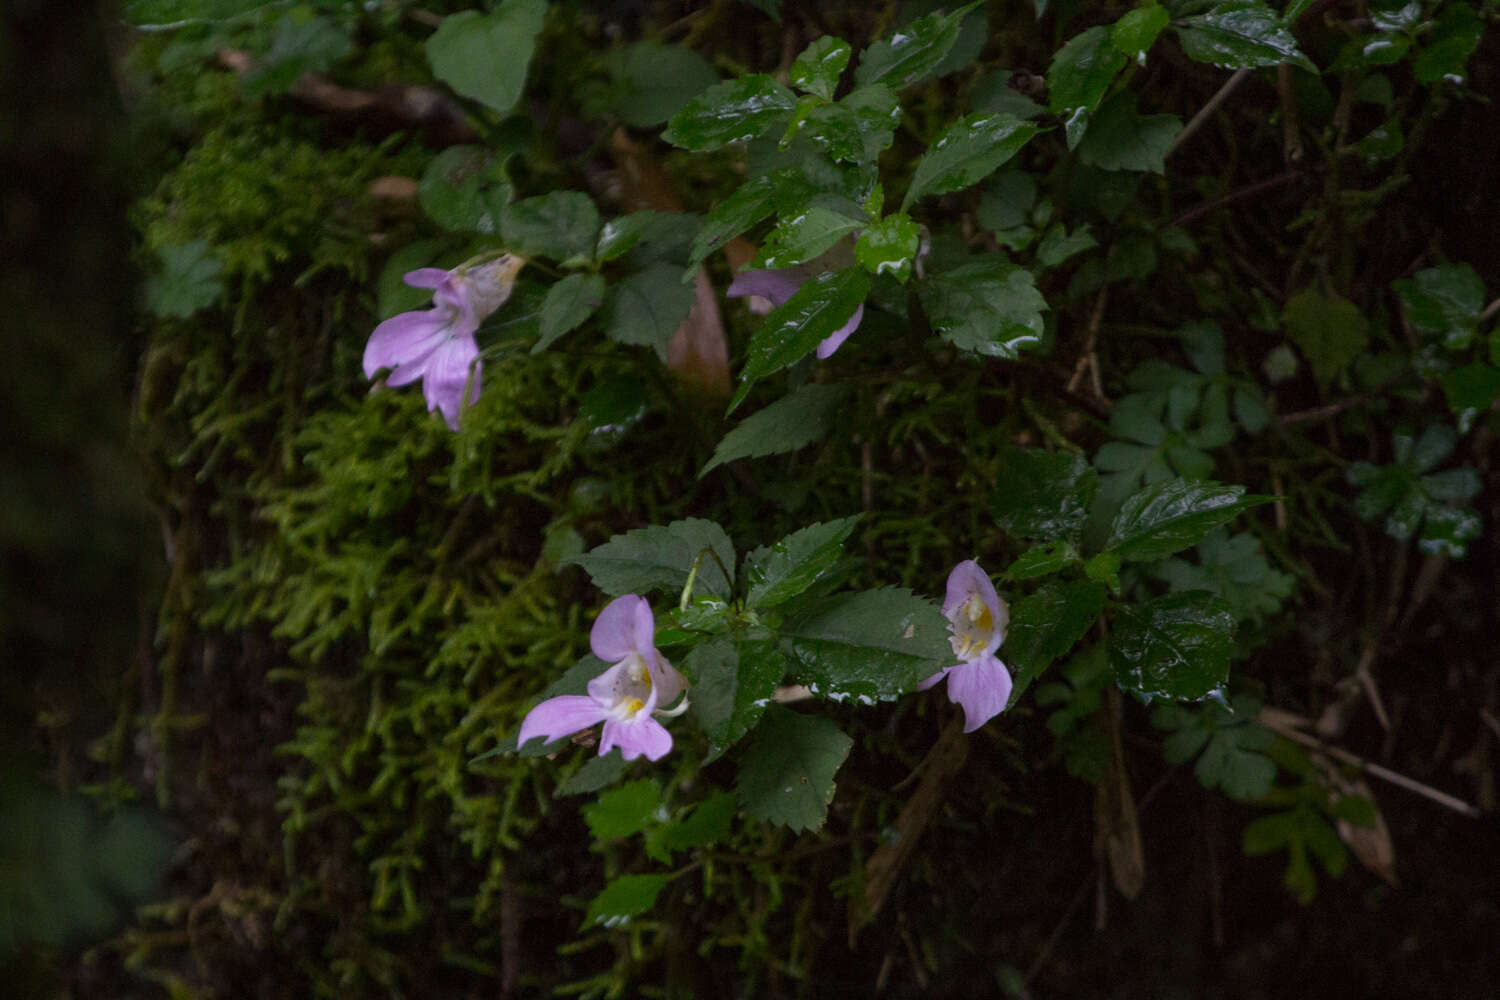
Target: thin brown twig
1248, 191
1220, 96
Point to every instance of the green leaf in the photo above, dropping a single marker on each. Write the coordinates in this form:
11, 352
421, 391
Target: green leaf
1445, 300
1471, 390
732, 111
818, 68
648, 307
776, 574
189, 280
1119, 138
301, 44
732, 685
650, 82
857, 128
793, 329
803, 236
660, 558
464, 189
1082, 71
561, 226
889, 245
913, 53
623, 811
1041, 494
485, 56
623, 899
620, 235
971, 149
1175, 646
1135, 32
1456, 34
611, 409
988, 306
754, 201
1234, 568
1232, 744
1043, 560
1170, 516
708, 823
1045, 626
569, 303
596, 773
393, 295
1329, 330
786, 777
1243, 34
1059, 245
874, 645
792, 422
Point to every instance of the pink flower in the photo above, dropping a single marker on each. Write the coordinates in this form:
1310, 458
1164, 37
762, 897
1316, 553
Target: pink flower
624, 696
776, 286
437, 345
976, 618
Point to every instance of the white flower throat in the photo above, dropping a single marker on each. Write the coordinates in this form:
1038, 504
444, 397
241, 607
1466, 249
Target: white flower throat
633, 688
973, 627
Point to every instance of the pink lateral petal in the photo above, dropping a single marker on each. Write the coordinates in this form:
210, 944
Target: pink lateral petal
425, 277
775, 286
836, 339
982, 688
666, 682
641, 735
404, 340
934, 679
561, 716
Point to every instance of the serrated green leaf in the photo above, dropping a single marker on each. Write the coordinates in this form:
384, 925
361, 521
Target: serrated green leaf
660, 558
1170, 516
1136, 31
596, 773
1455, 36
1045, 626
1234, 568
754, 201
1120, 138
818, 68
732, 111
1059, 245
786, 777
913, 53
1328, 329
1177, 646
815, 311
560, 225
780, 572
464, 189
623, 811
888, 246
623, 899
970, 150
301, 44
569, 303
1444, 300
189, 280
1243, 34
620, 235
869, 646
732, 685
803, 236
1081, 72
859, 127
650, 82
1043, 560
485, 56
708, 823
1042, 495
648, 307
792, 422
988, 306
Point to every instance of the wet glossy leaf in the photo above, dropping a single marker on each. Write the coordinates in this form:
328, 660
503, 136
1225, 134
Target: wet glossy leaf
1454, 38
1045, 626
988, 306
626, 897
888, 246
786, 777
660, 558
569, 303
971, 149
794, 328
913, 53
1240, 35
818, 68
730, 112
464, 189
1471, 390
1043, 560
1136, 31
1170, 516
1176, 646
780, 572
804, 236
485, 56
1119, 138
1043, 495
561, 226
1445, 300
1059, 245
732, 685
1082, 71
754, 201
792, 422
648, 307
869, 646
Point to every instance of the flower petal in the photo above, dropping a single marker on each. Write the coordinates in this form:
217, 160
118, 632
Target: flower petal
405, 340
447, 377
934, 679
426, 277
834, 340
640, 735
776, 286
625, 626
561, 716
967, 579
666, 682
615, 684
982, 688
